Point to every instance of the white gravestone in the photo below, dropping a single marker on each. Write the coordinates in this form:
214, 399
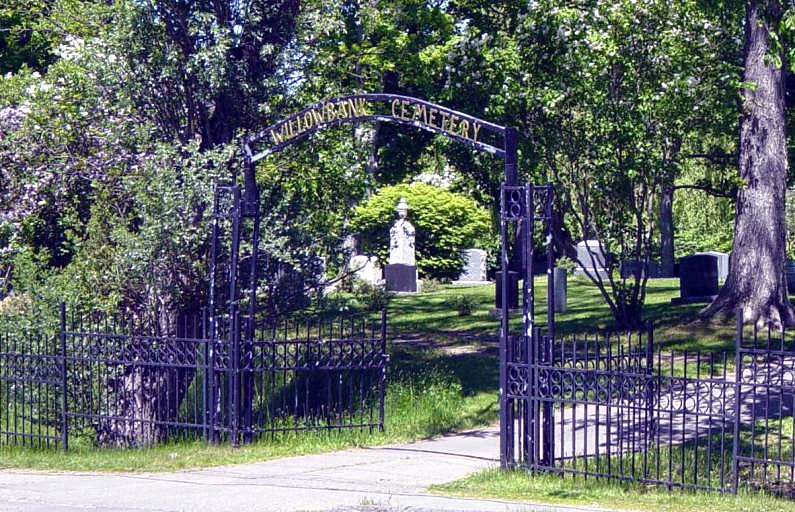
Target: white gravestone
590, 258
366, 268
401, 272
474, 271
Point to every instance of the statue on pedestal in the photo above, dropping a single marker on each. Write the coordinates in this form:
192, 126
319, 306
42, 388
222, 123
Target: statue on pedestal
401, 272
401, 238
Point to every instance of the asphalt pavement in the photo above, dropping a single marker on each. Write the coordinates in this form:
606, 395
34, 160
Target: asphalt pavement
387, 478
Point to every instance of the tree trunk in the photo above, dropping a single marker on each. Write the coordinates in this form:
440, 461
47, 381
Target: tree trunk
144, 399
667, 232
145, 391
756, 284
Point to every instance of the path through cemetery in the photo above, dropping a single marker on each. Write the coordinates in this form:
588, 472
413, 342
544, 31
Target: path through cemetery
682, 410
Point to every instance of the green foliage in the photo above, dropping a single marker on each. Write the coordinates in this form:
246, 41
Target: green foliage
371, 297
463, 304
446, 223
703, 223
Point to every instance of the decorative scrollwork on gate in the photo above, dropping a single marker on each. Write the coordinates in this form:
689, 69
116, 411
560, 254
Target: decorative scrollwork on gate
513, 202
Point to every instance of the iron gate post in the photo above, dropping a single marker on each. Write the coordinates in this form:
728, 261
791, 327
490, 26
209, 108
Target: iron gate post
530, 413
64, 394
382, 376
205, 341
738, 373
549, 424
506, 416
511, 167
212, 337
234, 323
251, 209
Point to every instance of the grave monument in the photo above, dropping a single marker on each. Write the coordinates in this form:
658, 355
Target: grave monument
698, 279
401, 271
590, 259
366, 268
474, 271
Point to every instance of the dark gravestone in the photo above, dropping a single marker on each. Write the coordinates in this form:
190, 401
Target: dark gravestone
401, 278
723, 264
513, 290
629, 267
540, 263
789, 272
561, 291
698, 279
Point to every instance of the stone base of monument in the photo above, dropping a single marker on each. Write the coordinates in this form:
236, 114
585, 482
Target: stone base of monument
693, 300
401, 278
469, 283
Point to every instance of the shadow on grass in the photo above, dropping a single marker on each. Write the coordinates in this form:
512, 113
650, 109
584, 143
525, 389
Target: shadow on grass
433, 316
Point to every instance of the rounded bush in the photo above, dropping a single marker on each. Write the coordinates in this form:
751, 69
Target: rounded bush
446, 224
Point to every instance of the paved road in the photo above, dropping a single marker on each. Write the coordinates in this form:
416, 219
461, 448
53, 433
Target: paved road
385, 478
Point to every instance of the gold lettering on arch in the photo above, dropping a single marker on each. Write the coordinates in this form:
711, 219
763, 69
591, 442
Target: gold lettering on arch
400, 108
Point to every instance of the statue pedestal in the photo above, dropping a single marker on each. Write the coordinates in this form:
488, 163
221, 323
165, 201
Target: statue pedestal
401, 278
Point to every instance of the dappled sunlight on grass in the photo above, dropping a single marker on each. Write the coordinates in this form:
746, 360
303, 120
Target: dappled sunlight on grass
433, 315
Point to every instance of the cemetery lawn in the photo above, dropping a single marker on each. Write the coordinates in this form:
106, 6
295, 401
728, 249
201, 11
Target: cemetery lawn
520, 485
442, 378
433, 315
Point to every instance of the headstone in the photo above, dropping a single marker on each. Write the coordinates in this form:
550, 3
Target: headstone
561, 292
723, 264
513, 290
789, 272
629, 267
590, 258
540, 263
401, 272
366, 268
474, 271
698, 279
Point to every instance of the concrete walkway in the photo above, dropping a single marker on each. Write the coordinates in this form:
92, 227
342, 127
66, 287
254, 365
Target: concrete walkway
386, 478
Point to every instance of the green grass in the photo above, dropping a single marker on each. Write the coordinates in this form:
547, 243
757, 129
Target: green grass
434, 314
520, 485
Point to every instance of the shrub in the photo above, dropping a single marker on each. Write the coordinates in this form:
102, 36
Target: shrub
370, 297
446, 223
463, 304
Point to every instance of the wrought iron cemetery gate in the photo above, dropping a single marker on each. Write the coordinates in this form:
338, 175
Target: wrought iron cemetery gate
232, 373
236, 261
605, 405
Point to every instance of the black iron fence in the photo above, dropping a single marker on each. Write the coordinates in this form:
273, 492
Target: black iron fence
616, 407
31, 389
129, 381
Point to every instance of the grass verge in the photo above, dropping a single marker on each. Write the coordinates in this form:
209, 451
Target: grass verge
521, 486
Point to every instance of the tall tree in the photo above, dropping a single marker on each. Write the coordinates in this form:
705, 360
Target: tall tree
756, 285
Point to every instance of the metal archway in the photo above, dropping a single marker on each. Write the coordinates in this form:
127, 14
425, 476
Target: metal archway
518, 205
243, 205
